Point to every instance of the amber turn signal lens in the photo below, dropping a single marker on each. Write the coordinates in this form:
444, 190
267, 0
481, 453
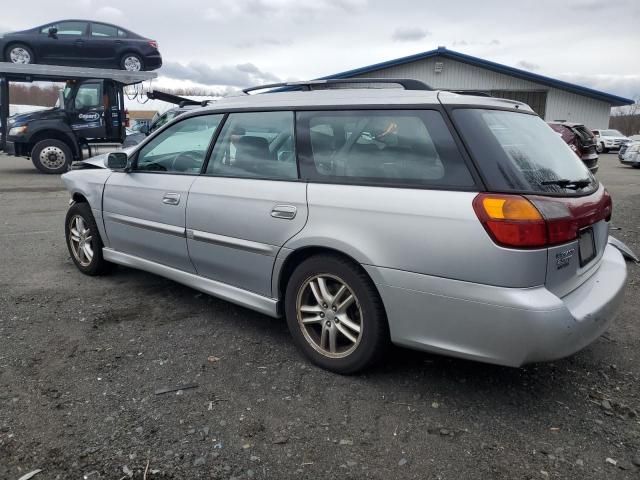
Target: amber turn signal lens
510, 208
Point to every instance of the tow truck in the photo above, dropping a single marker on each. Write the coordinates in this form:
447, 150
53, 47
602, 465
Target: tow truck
90, 112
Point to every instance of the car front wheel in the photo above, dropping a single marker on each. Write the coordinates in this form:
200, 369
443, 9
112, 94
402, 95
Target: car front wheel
132, 62
335, 314
20, 54
84, 242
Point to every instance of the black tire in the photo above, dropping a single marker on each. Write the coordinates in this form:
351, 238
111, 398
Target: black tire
27, 49
126, 56
374, 335
97, 265
52, 156
600, 148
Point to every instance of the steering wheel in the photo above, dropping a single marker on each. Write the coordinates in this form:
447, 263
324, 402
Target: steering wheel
185, 161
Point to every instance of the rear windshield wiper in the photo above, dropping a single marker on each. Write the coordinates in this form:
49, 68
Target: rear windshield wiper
571, 184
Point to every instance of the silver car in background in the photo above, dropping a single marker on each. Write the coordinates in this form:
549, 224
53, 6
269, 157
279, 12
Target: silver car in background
447, 223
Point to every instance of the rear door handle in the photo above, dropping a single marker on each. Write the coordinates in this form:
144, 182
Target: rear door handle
286, 212
171, 198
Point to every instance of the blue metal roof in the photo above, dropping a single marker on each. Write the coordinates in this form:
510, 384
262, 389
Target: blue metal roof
496, 67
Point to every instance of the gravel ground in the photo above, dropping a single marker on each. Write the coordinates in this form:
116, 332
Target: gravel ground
81, 360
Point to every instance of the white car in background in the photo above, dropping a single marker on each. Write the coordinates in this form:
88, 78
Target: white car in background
609, 140
630, 152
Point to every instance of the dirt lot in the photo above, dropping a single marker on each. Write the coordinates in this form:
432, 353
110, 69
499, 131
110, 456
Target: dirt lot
81, 359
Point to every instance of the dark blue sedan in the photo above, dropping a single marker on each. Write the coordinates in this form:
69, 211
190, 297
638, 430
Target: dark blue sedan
81, 43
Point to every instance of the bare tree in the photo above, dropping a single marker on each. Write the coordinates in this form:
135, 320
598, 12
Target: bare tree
627, 118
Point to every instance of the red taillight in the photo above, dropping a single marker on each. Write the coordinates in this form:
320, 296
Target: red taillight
153, 44
535, 221
511, 220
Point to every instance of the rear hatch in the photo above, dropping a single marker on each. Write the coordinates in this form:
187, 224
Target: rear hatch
586, 141
540, 195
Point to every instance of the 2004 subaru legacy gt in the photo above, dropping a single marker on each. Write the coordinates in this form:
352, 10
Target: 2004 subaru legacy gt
453, 224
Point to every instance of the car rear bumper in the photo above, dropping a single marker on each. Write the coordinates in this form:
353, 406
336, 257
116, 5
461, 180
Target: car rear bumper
152, 62
505, 326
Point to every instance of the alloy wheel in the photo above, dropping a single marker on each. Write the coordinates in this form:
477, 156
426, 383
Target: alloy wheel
132, 64
20, 55
329, 315
80, 239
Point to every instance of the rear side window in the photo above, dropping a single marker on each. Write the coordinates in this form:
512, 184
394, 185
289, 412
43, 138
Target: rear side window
519, 152
102, 31
393, 147
256, 145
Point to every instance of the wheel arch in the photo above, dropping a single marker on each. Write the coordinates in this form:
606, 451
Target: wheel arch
285, 266
12, 43
49, 133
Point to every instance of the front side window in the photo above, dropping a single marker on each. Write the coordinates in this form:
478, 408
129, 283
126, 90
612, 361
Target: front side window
67, 28
518, 152
103, 31
89, 95
181, 148
256, 145
394, 147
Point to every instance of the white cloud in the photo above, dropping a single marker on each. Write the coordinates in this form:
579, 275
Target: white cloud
109, 13
528, 65
410, 34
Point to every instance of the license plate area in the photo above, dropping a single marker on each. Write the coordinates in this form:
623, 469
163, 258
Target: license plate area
586, 246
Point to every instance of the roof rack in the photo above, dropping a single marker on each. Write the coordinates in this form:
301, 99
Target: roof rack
406, 83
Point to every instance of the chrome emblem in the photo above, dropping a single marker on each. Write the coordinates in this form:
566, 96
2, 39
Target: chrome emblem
563, 259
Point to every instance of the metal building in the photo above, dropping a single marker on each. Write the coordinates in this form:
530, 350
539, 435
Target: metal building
448, 70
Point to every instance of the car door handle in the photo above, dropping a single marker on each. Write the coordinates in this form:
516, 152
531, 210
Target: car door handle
286, 212
171, 198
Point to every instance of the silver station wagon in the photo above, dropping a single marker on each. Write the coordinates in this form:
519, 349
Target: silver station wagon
453, 224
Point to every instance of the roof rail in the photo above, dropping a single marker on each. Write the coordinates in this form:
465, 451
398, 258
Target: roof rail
406, 83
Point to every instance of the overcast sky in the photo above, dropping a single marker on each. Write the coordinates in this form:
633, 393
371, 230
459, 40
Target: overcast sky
236, 43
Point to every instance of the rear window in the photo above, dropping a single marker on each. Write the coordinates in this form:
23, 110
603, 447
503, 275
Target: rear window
518, 152
392, 147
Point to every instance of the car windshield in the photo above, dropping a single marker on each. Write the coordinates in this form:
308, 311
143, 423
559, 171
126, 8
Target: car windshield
518, 152
611, 133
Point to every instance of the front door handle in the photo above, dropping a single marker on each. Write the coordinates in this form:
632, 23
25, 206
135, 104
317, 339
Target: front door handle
171, 198
286, 212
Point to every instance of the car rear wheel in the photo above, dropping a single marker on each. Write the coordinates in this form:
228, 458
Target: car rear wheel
84, 242
20, 54
132, 63
335, 314
52, 156
600, 148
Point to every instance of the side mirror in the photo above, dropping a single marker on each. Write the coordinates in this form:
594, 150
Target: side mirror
53, 32
117, 161
144, 129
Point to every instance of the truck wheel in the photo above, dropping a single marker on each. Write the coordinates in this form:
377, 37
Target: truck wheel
132, 62
21, 54
84, 242
51, 156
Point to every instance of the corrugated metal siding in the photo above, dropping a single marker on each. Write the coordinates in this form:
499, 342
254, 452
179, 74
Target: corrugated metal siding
561, 105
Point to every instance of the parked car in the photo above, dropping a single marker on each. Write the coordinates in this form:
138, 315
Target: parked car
580, 140
609, 140
623, 148
453, 224
156, 122
630, 154
81, 43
